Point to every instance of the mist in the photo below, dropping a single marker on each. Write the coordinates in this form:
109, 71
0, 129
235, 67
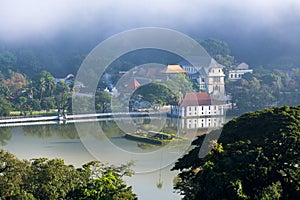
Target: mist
251, 28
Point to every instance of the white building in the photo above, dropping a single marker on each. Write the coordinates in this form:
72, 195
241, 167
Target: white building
239, 71
210, 79
203, 122
197, 104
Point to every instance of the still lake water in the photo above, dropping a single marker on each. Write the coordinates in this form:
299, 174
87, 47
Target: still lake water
82, 142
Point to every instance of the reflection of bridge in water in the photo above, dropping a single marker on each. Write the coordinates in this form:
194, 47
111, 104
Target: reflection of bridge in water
183, 125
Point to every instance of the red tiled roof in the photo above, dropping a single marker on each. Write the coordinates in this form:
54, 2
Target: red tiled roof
196, 99
134, 85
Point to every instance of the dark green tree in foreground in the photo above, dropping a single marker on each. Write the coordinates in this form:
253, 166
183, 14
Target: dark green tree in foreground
256, 157
53, 179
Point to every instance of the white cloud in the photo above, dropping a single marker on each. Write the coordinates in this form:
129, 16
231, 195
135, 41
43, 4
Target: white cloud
21, 19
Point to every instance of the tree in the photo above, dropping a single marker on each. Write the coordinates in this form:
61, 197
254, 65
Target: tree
256, 157
5, 107
102, 101
62, 96
52, 179
15, 82
44, 84
4, 91
13, 173
107, 183
219, 50
47, 103
8, 61
23, 106
34, 105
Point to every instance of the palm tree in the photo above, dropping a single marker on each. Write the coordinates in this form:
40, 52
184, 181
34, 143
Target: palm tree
42, 86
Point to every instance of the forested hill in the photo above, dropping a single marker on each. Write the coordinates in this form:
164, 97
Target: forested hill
64, 55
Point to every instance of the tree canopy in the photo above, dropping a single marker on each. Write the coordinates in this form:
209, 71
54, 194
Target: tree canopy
256, 157
52, 179
219, 50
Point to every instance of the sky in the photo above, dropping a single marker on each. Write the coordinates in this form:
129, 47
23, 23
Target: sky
21, 19
277, 20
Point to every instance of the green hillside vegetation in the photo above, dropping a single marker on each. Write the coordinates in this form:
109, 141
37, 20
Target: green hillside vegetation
26, 88
219, 50
53, 179
256, 157
264, 88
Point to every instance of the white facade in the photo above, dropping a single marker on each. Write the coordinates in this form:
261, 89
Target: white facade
204, 122
238, 73
213, 82
197, 111
216, 82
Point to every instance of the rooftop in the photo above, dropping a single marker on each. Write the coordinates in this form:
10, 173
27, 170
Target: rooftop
174, 69
133, 85
196, 99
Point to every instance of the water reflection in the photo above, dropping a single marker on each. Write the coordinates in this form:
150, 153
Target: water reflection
185, 124
179, 126
64, 142
5, 136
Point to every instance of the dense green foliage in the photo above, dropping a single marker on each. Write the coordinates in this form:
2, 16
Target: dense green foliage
24, 87
219, 50
38, 93
256, 157
160, 93
53, 179
264, 89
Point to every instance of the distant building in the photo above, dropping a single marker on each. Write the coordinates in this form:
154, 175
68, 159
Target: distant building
210, 79
68, 79
174, 69
197, 104
133, 85
238, 72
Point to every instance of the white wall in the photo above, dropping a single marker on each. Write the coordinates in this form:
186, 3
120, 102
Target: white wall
205, 122
197, 111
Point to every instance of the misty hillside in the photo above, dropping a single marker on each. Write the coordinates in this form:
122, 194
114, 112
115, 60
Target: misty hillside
64, 55
59, 35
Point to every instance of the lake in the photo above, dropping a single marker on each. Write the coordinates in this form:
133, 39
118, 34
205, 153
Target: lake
103, 140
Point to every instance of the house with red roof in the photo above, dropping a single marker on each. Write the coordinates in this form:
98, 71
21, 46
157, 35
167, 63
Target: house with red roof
197, 104
133, 85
